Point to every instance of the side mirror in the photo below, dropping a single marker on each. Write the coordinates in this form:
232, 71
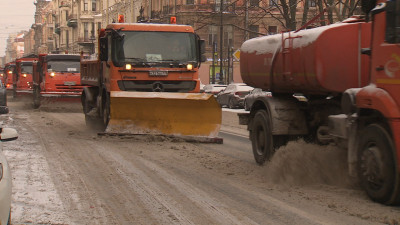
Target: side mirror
203, 58
202, 45
103, 49
8, 134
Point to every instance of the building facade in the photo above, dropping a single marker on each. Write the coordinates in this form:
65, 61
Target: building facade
71, 26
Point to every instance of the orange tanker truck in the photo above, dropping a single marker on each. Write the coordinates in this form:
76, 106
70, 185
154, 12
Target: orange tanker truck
145, 81
349, 73
56, 77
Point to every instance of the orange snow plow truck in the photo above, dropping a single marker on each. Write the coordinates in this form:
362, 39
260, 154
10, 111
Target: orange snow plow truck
349, 73
56, 77
22, 81
145, 81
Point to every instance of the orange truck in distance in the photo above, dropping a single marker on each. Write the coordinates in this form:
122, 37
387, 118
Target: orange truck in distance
56, 77
22, 81
9, 73
145, 80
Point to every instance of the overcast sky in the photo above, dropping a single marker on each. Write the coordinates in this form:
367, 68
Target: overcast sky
15, 16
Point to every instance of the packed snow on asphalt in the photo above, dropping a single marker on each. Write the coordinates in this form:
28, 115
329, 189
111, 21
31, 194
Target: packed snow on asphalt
64, 173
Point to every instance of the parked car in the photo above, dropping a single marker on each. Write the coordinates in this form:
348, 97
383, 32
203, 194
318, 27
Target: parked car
233, 95
252, 96
3, 98
214, 89
202, 87
6, 134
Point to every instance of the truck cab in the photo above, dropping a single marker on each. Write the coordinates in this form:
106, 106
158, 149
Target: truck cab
60, 74
151, 58
22, 81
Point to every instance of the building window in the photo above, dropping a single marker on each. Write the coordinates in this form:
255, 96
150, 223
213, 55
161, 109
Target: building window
217, 5
228, 36
254, 3
272, 29
85, 5
272, 3
253, 31
93, 5
66, 15
98, 27
212, 34
85, 31
189, 2
67, 38
311, 3
92, 31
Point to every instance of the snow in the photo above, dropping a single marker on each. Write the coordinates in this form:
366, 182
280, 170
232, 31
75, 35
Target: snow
34, 196
269, 44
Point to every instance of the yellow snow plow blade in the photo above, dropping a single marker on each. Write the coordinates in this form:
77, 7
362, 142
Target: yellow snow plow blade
180, 114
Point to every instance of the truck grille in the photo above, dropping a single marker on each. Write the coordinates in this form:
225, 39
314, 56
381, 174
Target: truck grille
157, 86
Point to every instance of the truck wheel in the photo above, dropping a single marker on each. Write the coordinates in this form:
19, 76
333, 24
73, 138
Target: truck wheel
261, 137
94, 123
377, 165
4, 110
106, 111
36, 97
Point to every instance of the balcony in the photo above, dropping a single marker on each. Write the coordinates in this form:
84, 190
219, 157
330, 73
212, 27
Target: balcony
65, 4
72, 20
195, 8
86, 40
57, 30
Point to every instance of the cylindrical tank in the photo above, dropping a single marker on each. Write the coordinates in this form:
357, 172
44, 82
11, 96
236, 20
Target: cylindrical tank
321, 61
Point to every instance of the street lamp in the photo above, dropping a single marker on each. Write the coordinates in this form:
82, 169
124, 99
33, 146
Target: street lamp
221, 33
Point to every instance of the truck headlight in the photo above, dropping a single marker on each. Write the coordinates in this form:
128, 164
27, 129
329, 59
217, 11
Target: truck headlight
128, 66
189, 66
24, 75
52, 74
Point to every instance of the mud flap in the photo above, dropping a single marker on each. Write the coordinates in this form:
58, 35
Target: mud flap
178, 114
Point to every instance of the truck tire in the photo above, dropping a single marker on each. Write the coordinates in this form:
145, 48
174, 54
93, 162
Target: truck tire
261, 137
36, 97
94, 123
106, 110
376, 165
4, 110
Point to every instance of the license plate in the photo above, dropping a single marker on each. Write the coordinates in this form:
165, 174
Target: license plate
69, 83
158, 73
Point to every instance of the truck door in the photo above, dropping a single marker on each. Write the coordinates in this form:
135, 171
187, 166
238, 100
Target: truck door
385, 51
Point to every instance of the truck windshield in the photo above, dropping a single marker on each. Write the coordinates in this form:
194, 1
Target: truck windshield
158, 48
26, 68
64, 66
